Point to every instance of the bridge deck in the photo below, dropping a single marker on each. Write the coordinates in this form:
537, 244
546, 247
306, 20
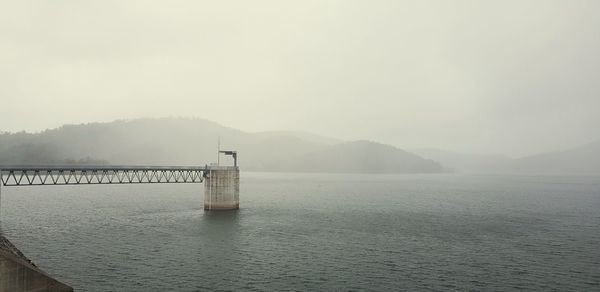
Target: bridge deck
20, 175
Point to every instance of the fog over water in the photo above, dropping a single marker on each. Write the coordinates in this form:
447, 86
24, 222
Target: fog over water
508, 77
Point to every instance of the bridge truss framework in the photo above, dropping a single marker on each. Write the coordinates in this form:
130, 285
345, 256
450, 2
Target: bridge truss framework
78, 175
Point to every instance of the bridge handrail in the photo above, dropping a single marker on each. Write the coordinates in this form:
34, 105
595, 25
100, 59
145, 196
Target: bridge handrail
97, 167
23, 175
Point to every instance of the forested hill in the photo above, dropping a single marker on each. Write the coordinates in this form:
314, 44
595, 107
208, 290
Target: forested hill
177, 141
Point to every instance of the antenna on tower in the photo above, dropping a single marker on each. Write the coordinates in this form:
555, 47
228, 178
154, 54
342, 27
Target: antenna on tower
219, 150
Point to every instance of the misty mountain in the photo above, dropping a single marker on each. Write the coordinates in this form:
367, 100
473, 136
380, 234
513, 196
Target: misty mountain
466, 162
308, 137
143, 141
177, 141
360, 157
582, 159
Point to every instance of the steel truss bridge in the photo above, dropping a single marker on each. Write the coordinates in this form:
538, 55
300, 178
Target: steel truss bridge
79, 175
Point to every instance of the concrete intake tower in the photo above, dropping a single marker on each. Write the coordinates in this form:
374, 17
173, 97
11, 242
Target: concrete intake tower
222, 185
222, 188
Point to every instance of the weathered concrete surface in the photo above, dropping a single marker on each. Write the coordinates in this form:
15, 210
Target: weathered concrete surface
17, 273
222, 188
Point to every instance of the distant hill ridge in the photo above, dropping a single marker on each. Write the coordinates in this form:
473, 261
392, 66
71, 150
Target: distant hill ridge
581, 159
584, 159
360, 157
185, 141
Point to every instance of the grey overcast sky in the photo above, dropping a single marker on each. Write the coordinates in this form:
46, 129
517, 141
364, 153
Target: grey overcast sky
511, 77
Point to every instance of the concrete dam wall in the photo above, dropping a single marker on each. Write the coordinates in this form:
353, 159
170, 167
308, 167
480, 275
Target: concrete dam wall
19, 274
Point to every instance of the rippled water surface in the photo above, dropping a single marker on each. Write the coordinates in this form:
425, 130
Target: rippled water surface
317, 232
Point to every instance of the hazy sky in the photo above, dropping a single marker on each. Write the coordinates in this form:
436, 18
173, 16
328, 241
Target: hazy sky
513, 77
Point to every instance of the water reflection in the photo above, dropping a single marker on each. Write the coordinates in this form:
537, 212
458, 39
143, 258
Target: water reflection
227, 217
220, 223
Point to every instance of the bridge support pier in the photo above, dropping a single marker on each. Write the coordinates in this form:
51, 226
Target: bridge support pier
222, 188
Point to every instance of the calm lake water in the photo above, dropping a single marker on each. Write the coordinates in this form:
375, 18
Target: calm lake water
317, 232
